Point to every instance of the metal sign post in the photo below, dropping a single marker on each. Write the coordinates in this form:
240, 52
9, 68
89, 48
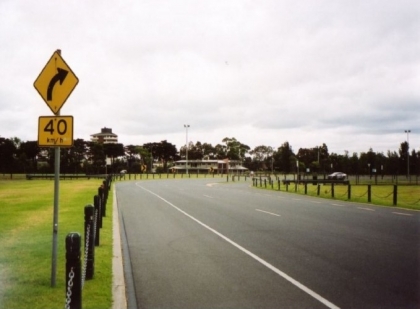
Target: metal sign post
55, 216
54, 84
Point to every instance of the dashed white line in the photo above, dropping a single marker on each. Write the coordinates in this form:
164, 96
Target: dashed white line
369, 209
208, 196
338, 205
270, 213
402, 214
254, 256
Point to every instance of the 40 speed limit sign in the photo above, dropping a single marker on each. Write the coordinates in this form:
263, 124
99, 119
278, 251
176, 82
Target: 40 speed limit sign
55, 131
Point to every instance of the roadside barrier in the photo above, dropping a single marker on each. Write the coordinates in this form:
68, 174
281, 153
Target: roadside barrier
78, 271
259, 182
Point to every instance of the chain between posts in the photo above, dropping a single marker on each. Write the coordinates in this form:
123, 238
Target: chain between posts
86, 255
69, 287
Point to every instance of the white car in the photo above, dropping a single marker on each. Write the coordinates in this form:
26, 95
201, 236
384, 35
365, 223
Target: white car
337, 175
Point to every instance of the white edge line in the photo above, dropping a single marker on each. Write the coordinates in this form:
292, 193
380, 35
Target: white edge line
255, 257
270, 213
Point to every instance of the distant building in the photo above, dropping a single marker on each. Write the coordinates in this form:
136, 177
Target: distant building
105, 137
209, 166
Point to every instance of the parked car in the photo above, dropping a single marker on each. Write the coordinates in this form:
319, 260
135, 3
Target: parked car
337, 175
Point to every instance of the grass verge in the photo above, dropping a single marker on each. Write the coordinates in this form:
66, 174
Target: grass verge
26, 216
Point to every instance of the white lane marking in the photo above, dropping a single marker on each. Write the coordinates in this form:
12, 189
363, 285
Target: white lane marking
315, 202
270, 213
255, 257
337, 205
402, 214
208, 196
296, 199
366, 208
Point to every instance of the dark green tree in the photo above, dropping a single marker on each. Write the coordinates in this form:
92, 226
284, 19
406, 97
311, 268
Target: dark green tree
29, 152
114, 151
285, 159
8, 152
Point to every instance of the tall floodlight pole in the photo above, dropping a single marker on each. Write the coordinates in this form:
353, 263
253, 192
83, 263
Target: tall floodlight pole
408, 154
186, 126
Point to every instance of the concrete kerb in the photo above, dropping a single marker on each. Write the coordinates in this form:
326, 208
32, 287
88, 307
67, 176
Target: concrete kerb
119, 300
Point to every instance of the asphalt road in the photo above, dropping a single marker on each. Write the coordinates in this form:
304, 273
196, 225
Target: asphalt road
197, 243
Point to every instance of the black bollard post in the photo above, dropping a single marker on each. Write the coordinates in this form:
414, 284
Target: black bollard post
89, 241
369, 192
102, 201
349, 192
73, 272
97, 218
332, 190
395, 195
105, 197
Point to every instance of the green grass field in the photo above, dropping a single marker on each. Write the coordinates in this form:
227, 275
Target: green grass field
26, 217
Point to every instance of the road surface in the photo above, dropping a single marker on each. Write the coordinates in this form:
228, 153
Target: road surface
205, 243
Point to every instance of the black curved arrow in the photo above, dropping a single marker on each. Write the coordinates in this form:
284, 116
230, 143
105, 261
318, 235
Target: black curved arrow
59, 77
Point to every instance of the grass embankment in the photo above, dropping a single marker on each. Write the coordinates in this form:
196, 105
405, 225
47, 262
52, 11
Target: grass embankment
26, 217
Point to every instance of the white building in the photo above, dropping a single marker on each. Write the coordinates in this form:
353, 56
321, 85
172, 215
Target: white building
209, 166
105, 137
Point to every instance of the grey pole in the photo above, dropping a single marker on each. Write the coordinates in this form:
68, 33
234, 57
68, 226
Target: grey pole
408, 154
55, 217
186, 126
56, 206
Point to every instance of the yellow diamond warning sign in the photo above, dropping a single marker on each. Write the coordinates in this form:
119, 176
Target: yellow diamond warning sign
56, 82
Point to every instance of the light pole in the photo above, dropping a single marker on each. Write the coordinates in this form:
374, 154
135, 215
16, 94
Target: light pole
408, 154
318, 156
186, 126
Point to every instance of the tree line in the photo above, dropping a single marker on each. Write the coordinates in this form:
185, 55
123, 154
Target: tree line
17, 156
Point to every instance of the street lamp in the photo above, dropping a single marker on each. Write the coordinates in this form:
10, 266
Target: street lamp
408, 154
186, 126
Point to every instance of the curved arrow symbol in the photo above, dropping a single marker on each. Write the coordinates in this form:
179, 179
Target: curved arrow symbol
59, 77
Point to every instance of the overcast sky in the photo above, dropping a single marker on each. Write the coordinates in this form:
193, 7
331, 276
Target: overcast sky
343, 73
